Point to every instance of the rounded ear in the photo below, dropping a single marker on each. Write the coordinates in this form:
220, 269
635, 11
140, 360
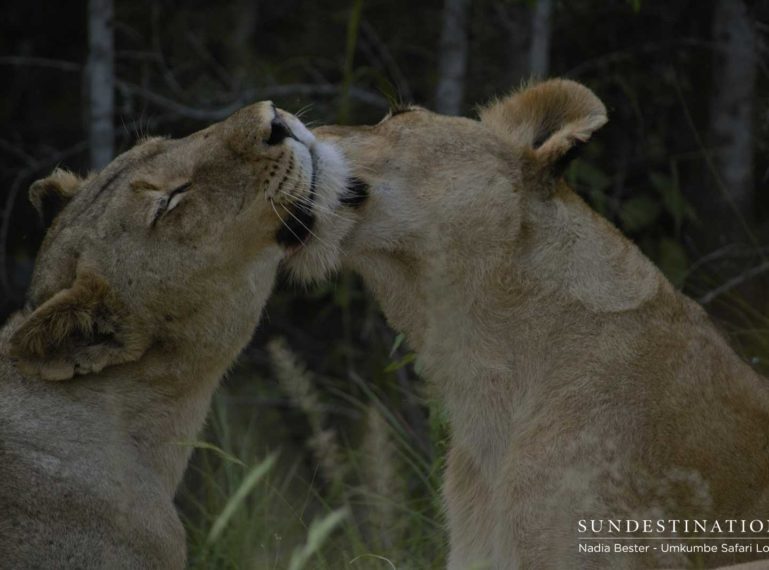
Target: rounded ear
553, 119
49, 195
79, 330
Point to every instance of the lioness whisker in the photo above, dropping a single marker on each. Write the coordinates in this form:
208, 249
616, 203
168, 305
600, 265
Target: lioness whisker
316, 236
282, 221
300, 113
304, 200
307, 200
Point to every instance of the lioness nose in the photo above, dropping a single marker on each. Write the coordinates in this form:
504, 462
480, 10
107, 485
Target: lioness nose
279, 131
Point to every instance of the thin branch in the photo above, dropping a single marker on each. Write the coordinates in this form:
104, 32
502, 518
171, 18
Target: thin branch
734, 282
212, 114
648, 48
14, 149
166, 72
24, 61
248, 96
219, 71
728, 252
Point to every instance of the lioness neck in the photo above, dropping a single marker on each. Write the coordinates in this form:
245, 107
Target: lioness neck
176, 380
493, 326
136, 422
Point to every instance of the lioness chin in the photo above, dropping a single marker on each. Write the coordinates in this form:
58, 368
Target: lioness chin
150, 281
578, 382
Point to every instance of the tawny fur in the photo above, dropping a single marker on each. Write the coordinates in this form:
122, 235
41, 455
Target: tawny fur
578, 382
139, 303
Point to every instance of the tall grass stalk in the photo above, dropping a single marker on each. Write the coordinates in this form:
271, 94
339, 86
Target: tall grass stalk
256, 474
316, 538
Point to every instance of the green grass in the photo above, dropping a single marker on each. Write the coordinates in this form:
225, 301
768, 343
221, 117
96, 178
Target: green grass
299, 472
257, 495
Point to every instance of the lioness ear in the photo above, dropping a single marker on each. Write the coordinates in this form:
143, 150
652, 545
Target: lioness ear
79, 330
49, 195
553, 119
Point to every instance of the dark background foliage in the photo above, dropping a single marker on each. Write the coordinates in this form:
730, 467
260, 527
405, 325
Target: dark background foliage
682, 167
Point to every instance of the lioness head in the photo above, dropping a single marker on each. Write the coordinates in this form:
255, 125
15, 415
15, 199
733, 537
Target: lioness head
176, 243
425, 170
449, 192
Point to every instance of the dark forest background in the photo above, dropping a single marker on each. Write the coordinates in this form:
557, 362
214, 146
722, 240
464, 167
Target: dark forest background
682, 168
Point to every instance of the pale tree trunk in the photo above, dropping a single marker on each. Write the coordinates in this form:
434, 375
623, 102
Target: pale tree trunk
539, 50
452, 62
528, 28
101, 82
515, 18
732, 109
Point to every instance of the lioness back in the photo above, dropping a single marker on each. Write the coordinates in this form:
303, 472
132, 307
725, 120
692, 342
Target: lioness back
60, 468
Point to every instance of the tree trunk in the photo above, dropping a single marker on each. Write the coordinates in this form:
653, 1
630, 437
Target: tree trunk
539, 50
528, 30
101, 82
515, 18
452, 62
732, 111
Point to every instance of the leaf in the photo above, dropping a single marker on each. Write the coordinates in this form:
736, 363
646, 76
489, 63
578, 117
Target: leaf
672, 199
375, 557
639, 213
353, 29
211, 447
599, 202
238, 498
592, 176
592, 182
316, 537
408, 359
673, 261
419, 366
396, 343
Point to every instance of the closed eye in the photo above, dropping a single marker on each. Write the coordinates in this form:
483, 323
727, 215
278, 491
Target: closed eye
175, 196
169, 201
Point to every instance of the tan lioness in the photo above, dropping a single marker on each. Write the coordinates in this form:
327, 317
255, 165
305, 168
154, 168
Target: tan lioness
579, 384
148, 284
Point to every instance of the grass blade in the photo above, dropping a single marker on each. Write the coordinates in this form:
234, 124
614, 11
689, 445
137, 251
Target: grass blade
256, 474
316, 537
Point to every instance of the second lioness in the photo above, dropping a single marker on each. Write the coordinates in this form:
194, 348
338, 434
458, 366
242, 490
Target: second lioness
578, 382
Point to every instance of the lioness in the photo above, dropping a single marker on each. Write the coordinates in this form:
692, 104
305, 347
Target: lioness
149, 282
579, 384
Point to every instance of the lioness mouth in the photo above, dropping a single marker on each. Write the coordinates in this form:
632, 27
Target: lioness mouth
297, 228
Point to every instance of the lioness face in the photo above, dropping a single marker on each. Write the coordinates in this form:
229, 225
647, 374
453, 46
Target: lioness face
170, 230
423, 170
449, 186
